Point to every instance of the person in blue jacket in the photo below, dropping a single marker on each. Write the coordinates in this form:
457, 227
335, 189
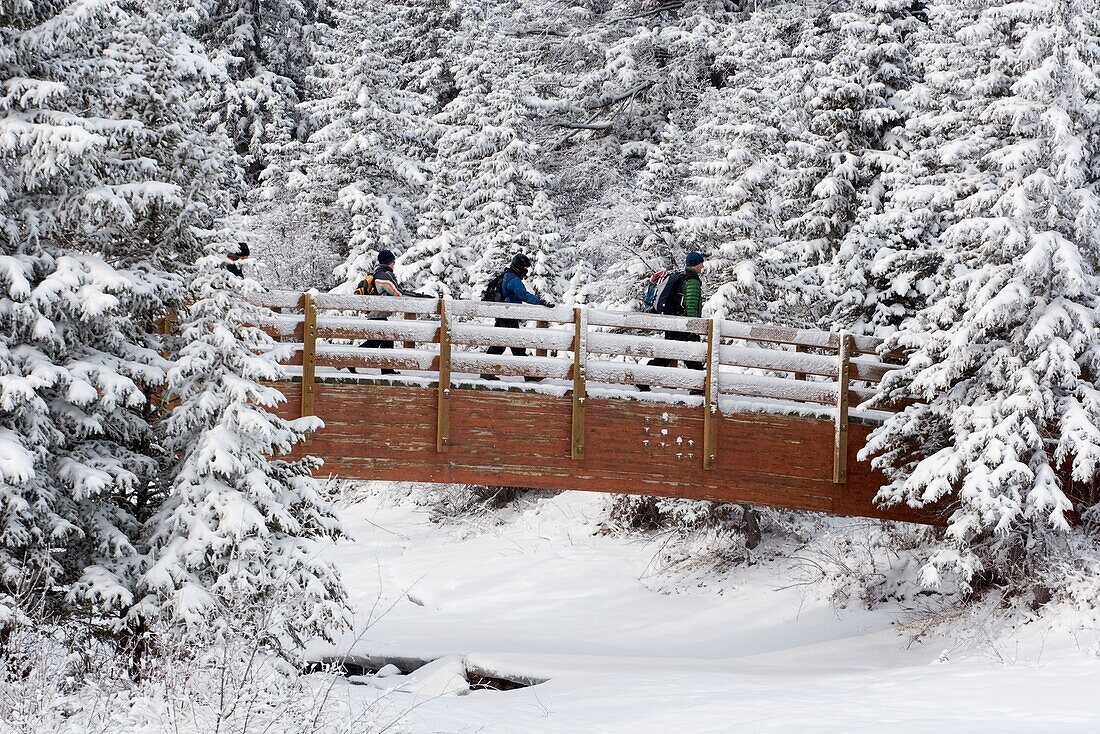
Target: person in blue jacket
514, 291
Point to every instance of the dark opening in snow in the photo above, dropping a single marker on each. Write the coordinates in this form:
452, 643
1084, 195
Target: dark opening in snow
377, 669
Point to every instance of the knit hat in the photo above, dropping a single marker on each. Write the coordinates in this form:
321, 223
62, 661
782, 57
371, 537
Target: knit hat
693, 259
385, 257
521, 263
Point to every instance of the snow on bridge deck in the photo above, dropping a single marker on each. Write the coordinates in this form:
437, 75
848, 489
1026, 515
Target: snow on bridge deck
770, 423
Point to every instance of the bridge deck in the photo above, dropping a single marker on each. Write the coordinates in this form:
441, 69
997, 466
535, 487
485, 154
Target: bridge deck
447, 427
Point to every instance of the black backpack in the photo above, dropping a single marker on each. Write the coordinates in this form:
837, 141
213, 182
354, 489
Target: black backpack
494, 290
670, 300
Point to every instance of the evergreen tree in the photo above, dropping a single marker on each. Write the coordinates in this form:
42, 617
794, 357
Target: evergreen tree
1006, 353
364, 165
653, 238
485, 179
263, 49
106, 181
545, 246
850, 135
884, 268
239, 526
733, 208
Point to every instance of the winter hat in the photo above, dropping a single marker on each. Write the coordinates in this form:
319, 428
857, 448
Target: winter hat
693, 259
385, 257
520, 262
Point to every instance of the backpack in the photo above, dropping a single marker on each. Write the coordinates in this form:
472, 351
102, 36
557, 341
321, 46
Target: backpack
670, 295
494, 290
366, 287
656, 286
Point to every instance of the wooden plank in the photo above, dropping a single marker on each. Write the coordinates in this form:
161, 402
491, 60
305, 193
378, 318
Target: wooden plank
276, 299
385, 304
480, 335
309, 359
646, 321
868, 369
580, 357
619, 373
710, 397
280, 325
507, 365
331, 355
778, 360
643, 347
840, 442
343, 327
443, 400
518, 311
779, 388
805, 337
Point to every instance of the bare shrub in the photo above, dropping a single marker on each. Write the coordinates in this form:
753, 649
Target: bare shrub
476, 500
57, 678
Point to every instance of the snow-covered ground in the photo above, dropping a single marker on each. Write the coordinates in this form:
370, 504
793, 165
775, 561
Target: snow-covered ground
626, 646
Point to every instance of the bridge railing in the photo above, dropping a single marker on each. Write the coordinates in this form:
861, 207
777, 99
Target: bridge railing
589, 348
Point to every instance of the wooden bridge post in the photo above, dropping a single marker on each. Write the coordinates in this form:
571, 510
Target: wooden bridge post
409, 317
710, 395
580, 357
443, 401
542, 325
309, 356
799, 349
840, 442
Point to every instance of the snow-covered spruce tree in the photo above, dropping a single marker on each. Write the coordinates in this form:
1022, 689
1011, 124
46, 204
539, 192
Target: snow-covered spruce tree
239, 530
485, 180
732, 207
609, 87
263, 48
1007, 353
420, 39
857, 67
545, 245
888, 267
104, 177
498, 180
362, 168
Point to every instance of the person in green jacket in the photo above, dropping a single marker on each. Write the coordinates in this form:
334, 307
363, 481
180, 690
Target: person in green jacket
692, 286
686, 301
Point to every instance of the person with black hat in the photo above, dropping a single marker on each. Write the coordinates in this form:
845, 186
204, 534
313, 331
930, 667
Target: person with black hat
685, 300
513, 290
382, 282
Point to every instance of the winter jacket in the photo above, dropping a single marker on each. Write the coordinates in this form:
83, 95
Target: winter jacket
692, 288
513, 290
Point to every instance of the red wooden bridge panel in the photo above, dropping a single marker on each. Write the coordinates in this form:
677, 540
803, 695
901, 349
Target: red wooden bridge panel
522, 439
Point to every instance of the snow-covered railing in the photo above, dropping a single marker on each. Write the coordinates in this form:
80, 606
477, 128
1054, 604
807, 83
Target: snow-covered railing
583, 346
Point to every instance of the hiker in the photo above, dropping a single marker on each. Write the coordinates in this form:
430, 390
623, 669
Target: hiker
382, 282
512, 290
234, 265
684, 298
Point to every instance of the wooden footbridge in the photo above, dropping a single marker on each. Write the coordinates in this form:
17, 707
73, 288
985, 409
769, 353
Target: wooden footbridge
772, 418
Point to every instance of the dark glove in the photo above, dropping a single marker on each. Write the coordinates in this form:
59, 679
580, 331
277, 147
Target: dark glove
548, 304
